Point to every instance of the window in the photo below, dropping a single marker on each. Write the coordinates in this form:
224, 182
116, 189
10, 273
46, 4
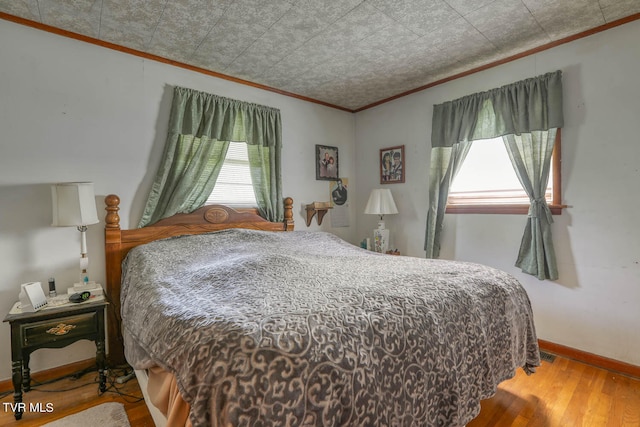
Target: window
234, 187
478, 189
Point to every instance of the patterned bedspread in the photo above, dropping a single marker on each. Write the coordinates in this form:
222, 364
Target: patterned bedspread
304, 329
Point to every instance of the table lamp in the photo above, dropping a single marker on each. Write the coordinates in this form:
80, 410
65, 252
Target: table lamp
381, 203
74, 205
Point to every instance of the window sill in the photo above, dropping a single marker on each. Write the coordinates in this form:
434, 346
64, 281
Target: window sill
498, 209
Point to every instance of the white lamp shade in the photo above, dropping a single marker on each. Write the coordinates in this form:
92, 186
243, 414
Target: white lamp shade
381, 202
74, 204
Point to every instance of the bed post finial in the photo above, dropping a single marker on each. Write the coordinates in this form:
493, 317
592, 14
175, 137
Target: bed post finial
113, 206
288, 213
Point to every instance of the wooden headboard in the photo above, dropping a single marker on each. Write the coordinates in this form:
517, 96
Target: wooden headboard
119, 242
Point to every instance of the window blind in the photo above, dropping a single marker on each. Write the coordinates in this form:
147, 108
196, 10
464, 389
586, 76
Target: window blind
234, 186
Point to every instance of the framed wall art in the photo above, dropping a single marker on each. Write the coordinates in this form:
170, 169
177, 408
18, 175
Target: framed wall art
326, 163
392, 169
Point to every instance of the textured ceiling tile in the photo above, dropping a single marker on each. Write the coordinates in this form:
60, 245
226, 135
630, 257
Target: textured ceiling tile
256, 12
78, 16
285, 36
464, 7
347, 52
27, 9
362, 96
401, 9
251, 66
338, 39
454, 70
465, 65
323, 48
306, 85
429, 65
356, 65
327, 10
296, 26
248, 68
445, 46
407, 77
475, 49
242, 24
300, 85
281, 81
360, 22
226, 41
505, 22
427, 60
183, 26
420, 16
511, 50
419, 48
328, 70
616, 9
301, 60
290, 65
130, 22
410, 77
560, 19
390, 38
458, 33
334, 92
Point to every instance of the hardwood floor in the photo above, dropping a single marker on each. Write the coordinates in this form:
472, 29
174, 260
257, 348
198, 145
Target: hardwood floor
71, 395
564, 393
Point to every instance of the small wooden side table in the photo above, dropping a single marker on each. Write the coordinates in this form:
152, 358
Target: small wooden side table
54, 328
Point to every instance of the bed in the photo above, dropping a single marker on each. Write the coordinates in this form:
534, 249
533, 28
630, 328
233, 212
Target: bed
246, 326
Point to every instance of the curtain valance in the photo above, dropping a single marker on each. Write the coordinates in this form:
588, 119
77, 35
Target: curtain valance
203, 114
525, 106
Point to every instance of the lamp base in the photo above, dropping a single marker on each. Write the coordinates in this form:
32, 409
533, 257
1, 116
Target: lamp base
380, 240
84, 264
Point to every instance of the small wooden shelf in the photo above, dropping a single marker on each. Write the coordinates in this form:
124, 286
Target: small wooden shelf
321, 208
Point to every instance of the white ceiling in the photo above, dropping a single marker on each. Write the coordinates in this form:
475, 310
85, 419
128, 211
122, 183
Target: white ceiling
348, 53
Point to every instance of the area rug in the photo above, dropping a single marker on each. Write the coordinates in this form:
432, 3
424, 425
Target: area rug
110, 414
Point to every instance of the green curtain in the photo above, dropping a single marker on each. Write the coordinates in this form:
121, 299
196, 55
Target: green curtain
200, 128
530, 154
445, 164
533, 104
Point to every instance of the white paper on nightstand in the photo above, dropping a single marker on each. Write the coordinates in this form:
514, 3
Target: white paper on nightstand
55, 302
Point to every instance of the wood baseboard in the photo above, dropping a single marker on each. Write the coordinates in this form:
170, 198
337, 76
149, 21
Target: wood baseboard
590, 359
53, 373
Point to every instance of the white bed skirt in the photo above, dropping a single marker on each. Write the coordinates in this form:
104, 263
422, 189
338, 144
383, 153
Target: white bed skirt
158, 418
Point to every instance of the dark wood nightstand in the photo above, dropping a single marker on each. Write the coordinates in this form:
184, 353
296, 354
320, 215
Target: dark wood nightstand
54, 328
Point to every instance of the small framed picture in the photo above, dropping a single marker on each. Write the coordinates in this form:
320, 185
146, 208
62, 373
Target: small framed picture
392, 168
326, 163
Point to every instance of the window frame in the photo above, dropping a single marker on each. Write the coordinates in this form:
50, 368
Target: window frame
555, 206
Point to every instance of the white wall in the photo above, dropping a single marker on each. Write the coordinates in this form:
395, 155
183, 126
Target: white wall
71, 111
595, 304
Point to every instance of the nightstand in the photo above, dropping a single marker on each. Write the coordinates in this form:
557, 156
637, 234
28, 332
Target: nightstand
54, 328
